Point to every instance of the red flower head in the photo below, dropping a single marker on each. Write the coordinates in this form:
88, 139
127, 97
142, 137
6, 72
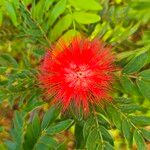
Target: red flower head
81, 72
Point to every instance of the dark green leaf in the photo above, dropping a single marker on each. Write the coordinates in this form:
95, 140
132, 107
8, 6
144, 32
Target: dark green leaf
88, 126
144, 87
145, 75
115, 116
106, 135
48, 141
59, 127
103, 120
126, 128
49, 117
129, 86
130, 108
136, 63
108, 146
36, 126
140, 120
92, 140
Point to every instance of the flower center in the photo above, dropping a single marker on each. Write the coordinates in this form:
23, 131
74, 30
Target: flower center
78, 77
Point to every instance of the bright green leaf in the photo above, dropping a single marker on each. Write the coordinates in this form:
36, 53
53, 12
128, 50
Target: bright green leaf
11, 12
86, 18
86, 4
48, 4
1, 17
58, 9
62, 25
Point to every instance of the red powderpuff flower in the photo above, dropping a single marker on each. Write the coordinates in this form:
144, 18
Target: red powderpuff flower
80, 73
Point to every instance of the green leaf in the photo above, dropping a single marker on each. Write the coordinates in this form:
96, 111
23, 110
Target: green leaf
139, 140
88, 125
48, 141
144, 87
92, 140
48, 4
123, 100
108, 146
146, 134
62, 25
8, 58
130, 108
145, 75
1, 17
103, 120
49, 117
59, 127
106, 135
38, 11
136, 63
36, 126
42, 146
140, 120
140, 5
86, 4
96, 31
58, 9
86, 18
3, 69
3, 146
115, 116
126, 128
128, 85
11, 12
78, 133
18, 121
29, 139
70, 34
10, 145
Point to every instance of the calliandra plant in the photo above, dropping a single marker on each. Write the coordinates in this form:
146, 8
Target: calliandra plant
80, 73
72, 95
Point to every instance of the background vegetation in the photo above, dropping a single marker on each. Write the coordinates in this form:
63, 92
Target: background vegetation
27, 28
